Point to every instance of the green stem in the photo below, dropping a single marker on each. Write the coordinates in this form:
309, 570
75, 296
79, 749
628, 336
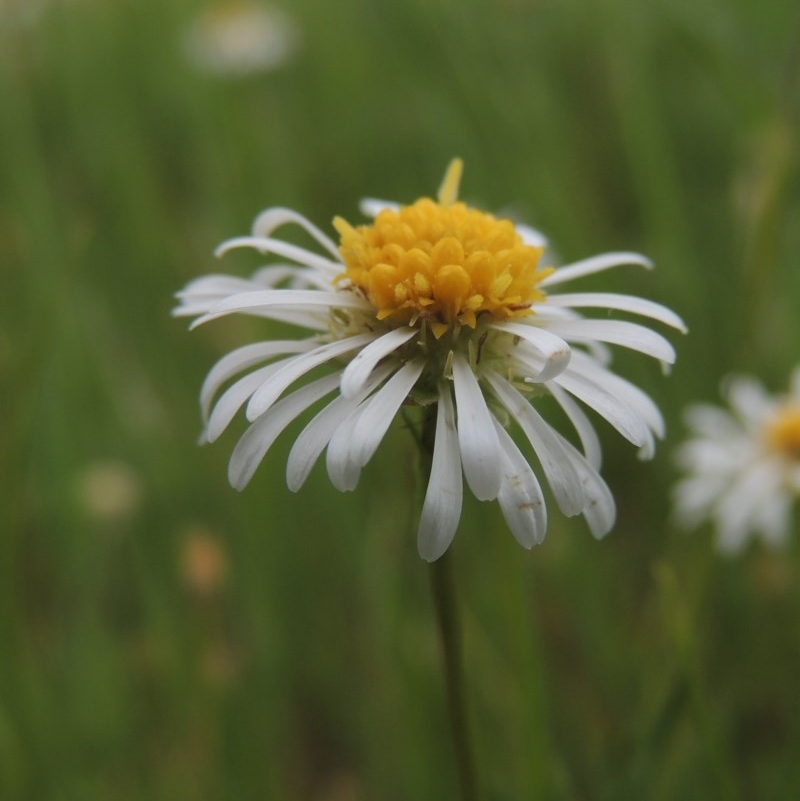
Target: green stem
450, 636
444, 600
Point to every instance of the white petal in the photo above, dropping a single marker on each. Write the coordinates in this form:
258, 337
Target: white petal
314, 438
260, 436
281, 248
594, 264
480, 450
584, 428
566, 485
243, 358
607, 405
443, 497
287, 299
531, 236
357, 439
520, 496
748, 399
554, 349
380, 410
372, 207
234, 398
271, 219
364, 361
616, 332
299, 366
627, 303
600, 511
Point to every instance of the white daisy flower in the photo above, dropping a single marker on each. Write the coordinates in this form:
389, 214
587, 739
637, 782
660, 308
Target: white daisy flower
742, 465
440, 306
238, 37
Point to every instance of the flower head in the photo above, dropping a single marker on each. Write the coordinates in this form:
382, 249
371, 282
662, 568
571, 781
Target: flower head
438, 305
742, 465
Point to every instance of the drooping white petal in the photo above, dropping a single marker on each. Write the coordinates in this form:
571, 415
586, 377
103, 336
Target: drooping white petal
520, 497
234, 398
295, 277
287, 299
554, 349
200, 295
443, 497
271, 219
627, 303
595, 264
607, 405
260, 436
242, 359
583, 427
357, 439
314, 438
380, 410
299, 366
615, 332
599, 510
566, 485
477, 438
280, 248
364, 362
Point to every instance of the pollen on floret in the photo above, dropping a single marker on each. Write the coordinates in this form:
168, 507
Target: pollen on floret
442, 262
783, 432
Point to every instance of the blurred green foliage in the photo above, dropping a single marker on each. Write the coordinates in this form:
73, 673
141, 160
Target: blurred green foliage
164, 637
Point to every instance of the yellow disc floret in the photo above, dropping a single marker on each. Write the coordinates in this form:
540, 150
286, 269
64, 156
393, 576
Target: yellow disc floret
441, 262
783, 431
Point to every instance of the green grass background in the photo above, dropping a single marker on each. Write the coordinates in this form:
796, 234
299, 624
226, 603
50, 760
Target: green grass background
642, 667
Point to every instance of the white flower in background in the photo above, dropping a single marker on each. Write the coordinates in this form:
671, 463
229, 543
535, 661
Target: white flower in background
239, 38
742, 464
441, 306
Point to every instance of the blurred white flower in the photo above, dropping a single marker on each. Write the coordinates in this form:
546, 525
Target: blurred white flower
742, 464
445, 307
110, 490
239, 38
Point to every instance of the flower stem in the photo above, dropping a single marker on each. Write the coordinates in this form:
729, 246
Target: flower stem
450, 636
445, 603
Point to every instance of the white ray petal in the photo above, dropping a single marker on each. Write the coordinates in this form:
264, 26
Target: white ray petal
285, 299
243, 358
595, 264
531, 236
357, 439
567, 487
234, 398
271, 219
299, 366
521, 499
364, 362
380, 410
600, 510
627, 303
372, 207
314, 438
607, 405
480, 449
554, 349
615, 332
260, 436
280, 248
583, 426
443, 497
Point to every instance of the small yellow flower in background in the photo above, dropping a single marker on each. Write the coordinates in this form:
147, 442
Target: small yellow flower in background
742, 464
204, 562
238, 37
436, 305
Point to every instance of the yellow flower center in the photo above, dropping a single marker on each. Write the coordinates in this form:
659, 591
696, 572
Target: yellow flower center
783, 432
441, 262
